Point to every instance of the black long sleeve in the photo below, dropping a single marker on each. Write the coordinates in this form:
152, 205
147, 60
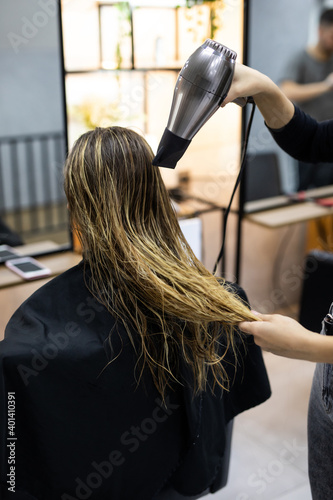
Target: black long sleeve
306, 139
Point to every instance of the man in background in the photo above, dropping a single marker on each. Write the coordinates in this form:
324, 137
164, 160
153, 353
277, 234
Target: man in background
308, 81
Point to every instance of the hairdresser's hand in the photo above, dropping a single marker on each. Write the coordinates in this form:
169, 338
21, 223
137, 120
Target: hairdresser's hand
247, 82
329, 81
275, 107
282, 336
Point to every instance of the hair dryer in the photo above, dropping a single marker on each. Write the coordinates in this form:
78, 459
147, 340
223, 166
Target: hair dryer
202, 85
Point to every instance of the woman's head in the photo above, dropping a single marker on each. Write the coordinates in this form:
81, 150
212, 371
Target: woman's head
112, 186
141, 267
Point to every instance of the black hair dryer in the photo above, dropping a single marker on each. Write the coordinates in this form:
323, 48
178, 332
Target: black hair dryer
202, 85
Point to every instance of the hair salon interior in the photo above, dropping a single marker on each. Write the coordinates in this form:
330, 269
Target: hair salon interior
70, 66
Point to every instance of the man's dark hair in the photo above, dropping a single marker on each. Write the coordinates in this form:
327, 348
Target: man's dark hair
326, 17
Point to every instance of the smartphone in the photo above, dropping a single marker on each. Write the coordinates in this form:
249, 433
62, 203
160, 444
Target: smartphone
28, 268
7, 252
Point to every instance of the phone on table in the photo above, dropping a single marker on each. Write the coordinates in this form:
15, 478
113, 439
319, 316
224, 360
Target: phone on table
28, 268
7, 252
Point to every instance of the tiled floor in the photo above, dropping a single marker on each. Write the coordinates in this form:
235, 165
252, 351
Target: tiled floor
269, 450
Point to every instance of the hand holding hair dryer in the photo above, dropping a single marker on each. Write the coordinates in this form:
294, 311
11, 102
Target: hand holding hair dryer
202, 85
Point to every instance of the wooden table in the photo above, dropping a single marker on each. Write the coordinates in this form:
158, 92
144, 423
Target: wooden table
292, 214
278, 211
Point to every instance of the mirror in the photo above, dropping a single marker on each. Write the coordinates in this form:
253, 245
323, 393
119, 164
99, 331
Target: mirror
33, 128
277, 31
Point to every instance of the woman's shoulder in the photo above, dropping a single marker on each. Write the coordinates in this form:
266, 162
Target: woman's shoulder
67, 280
54, 303
236, 289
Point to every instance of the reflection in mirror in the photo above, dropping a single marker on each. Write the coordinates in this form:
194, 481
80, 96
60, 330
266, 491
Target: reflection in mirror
33, 137
270, 50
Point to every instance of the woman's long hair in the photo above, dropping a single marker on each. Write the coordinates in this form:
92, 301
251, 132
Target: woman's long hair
142, 268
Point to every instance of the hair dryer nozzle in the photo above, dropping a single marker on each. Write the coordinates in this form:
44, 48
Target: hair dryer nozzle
170, 149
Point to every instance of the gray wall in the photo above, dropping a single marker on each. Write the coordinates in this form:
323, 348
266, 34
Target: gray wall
30, 77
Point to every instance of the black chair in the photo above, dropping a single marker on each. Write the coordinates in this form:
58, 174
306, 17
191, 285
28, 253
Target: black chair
317, 291
8, 236
262, 177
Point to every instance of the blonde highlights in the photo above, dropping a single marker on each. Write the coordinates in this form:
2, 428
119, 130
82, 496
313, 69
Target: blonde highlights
141, 267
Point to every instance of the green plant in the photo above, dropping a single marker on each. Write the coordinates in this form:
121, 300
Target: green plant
124, 17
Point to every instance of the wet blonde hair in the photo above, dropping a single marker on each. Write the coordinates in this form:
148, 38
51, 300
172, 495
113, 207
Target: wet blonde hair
142, 268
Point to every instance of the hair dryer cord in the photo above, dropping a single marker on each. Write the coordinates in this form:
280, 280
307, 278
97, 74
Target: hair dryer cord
227, 210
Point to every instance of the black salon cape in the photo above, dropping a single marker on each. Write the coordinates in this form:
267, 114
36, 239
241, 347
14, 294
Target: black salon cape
82, 431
